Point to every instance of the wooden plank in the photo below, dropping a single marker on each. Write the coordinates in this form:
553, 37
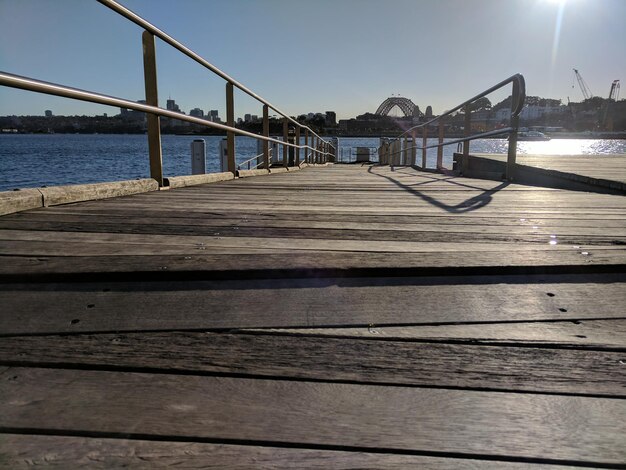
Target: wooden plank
610, 167
567, 371
78, 243
79, 213
354, 231
550, 428
202, 262
132, 306
25, 451
597, 334
19, 200
83, 192
191, 180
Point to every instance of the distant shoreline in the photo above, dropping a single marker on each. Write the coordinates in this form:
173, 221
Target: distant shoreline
456, 135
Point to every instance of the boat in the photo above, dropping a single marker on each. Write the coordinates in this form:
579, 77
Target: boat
532, 136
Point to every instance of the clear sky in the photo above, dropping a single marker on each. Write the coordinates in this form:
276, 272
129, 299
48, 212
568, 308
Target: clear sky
313, 55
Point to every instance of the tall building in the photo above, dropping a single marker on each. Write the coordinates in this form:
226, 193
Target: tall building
214, 115
172, 106
330, 119
48, 113
196, 112
247, 117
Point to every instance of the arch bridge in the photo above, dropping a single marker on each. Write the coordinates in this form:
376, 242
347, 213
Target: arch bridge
406, 106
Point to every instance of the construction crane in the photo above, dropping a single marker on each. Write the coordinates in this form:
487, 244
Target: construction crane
607, 123
583, 86
614, 93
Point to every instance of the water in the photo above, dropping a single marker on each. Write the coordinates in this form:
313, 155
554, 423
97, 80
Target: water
55, 159
573, 147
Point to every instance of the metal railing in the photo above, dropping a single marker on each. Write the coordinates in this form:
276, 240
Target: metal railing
392, 152
320, 149
250, 160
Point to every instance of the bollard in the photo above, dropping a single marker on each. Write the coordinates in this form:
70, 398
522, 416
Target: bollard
224, 154
198, 157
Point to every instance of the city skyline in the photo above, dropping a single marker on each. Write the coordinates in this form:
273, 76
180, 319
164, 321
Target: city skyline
345, 56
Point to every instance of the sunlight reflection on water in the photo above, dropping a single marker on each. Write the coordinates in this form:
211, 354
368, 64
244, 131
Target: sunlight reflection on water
572, 147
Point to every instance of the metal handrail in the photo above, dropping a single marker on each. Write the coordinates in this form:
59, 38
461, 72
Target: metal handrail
515, 110
39, 86
138, 20
318, 147
251, 159
518, 96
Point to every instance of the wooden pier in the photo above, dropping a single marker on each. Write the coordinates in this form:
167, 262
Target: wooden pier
334, 317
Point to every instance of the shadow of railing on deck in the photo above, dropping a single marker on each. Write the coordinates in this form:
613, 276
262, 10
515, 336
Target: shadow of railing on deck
468, 205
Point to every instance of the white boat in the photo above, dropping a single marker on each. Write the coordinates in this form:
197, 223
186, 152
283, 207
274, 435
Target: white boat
532, 135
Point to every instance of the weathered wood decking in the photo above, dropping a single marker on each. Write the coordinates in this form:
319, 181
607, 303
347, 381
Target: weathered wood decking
336, 317
595, 173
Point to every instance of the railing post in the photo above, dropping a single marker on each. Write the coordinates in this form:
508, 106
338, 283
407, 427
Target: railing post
306, 144
413, 149
467, 130
266, 133
512, 153
152, 98
440, 148
298, 144
406, 153
424, 144
230, 120
286, 140
396, 152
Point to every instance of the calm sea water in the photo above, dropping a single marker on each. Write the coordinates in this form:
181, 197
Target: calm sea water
55, 159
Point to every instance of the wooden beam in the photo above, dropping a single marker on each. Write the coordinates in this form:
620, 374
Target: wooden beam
459, 422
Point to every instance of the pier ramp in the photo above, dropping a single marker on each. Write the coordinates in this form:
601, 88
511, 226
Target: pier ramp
335, 317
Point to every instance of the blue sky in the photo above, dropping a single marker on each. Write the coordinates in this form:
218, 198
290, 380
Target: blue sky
314, 55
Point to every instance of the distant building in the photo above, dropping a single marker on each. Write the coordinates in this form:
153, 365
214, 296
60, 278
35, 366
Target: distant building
48, 113
132, 115
330, 119
172, 106
214, 116
247, 118
429, 111
197, 112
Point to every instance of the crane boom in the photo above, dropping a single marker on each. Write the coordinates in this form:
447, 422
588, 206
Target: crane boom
614, 93
583, 86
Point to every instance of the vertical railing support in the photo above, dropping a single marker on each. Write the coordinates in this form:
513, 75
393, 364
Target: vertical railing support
152, 98
286, 140
230, 121
467, 130
407, 152
266, 133
440, 148
298, 148
306, 144
424, 144
512, 153
413, 147
394, 153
